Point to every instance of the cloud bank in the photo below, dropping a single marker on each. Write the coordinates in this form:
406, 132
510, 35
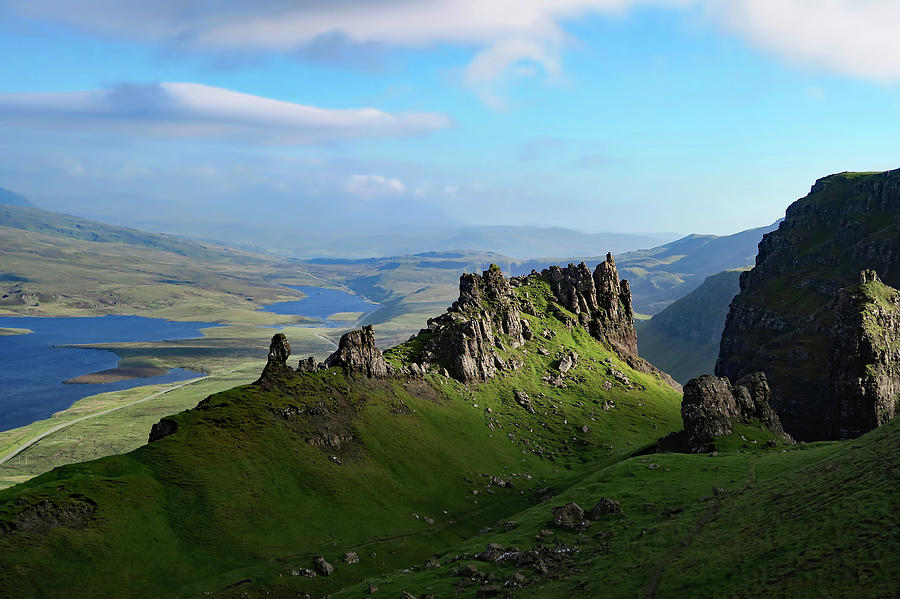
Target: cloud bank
851, 37
195, 111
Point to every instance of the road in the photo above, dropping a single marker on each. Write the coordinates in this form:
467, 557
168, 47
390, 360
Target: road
59, 427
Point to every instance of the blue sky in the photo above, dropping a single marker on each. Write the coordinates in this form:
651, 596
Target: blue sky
601, 115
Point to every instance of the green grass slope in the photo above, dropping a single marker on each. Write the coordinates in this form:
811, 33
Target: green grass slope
746, 521
255, 484
11, 198
683, 339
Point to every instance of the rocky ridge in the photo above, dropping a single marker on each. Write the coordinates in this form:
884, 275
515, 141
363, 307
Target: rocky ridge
357, 354
476, 338
712, 406
471, 341
795, 318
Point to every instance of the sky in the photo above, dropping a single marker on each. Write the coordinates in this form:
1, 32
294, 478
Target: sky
233, 119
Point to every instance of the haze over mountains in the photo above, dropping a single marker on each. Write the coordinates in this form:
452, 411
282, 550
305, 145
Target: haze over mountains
336, 230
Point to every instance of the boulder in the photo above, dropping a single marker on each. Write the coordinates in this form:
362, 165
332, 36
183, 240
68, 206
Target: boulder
322, 566
163, 428
569, 516
604, 507
309, 365
712, 406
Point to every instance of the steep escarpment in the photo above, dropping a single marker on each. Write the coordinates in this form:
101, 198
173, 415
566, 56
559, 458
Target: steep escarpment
789, 320
865, 361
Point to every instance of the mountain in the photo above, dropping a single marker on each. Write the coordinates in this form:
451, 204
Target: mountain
11, 198
533, 242
661, 275
683, 339
813, 314
373, 461
505, 449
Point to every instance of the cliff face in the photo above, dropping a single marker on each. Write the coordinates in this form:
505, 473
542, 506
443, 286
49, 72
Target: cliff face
465, 340
790, 320
865, 362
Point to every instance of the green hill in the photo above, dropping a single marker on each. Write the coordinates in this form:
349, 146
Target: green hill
259, 480
684, 338
447, 466
11, 198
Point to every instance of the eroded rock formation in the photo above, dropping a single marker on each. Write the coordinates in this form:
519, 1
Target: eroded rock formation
464, 339
865, 359
600, 301
470, 339
276, 367
712, 406
357, 354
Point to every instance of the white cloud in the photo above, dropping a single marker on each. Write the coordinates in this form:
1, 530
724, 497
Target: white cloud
369, 187
507, 32
192, 110
852, 37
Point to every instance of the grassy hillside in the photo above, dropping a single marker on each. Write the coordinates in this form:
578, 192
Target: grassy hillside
683, 339
11, 198
255, 484
418, 476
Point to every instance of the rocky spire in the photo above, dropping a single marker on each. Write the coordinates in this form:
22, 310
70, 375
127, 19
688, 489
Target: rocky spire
357, 354
276, 367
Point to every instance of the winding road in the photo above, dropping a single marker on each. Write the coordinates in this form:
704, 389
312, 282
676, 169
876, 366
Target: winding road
59, 427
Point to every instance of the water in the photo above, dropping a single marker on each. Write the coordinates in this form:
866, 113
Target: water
32, 370
320, 303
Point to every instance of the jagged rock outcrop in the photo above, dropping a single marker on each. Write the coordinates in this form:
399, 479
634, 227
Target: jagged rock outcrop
464, 340
163, 428
601, 302
276, 368
357, 354
786, 319
309, 365
469, 340
712, 406
865, 360
602, 305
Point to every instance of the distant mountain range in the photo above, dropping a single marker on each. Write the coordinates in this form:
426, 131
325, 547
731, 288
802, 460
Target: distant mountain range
11, 198
683, 339
662, 274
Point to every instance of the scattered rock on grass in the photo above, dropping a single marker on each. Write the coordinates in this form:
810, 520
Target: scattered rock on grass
569, 516
606, 506
323, 567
